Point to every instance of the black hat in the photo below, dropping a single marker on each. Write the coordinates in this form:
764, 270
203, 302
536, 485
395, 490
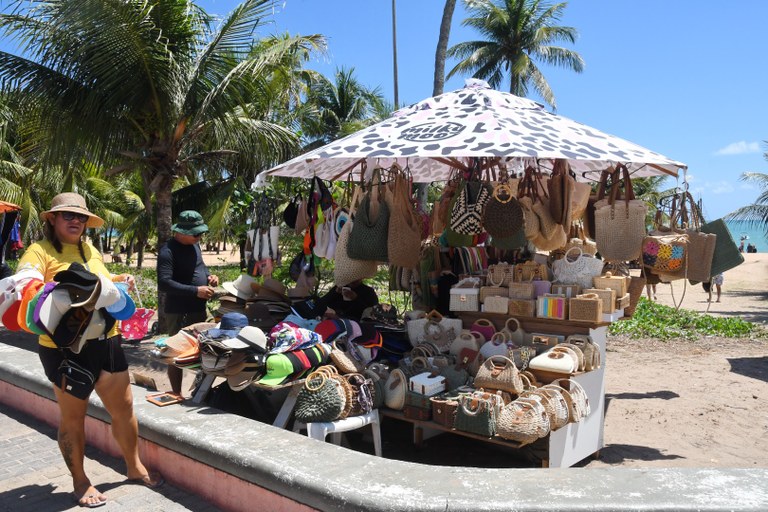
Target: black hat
71, 327
77, 276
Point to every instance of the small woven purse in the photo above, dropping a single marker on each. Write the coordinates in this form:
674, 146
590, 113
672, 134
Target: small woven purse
499, 372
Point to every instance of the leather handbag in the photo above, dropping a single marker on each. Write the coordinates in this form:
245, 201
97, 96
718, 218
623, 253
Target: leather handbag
499, 373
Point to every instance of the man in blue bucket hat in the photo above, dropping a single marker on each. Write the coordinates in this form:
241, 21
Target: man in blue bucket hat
184, 278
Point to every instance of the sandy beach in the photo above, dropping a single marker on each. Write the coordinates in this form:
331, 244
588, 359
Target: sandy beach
668, 404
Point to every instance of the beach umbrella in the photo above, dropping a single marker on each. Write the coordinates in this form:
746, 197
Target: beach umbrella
6, 207
444, 132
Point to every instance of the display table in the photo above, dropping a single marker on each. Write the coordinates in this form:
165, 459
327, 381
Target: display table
283, 415
571, 443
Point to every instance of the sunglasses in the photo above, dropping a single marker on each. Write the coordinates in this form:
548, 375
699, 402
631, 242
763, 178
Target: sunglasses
69, 216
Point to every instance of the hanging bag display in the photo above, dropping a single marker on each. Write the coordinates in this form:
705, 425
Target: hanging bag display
468, 207
620, 220
503, 215
561, 188
405, 227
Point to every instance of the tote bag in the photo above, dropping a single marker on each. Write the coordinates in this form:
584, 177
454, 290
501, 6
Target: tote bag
620, 221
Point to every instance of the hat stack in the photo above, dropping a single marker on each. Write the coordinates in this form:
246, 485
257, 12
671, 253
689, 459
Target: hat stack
76, 307
285, 367
263, 303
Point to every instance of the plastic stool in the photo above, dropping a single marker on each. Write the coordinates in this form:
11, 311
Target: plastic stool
321, 430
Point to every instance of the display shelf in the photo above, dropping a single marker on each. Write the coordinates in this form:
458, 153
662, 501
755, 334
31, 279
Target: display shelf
575, 441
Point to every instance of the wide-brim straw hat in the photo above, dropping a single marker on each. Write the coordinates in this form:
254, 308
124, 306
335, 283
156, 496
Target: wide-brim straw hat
75, 203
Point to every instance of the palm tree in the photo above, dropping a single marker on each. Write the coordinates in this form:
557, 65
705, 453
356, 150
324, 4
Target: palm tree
518, 34
147, 86
755, 214
343, 105
442, 46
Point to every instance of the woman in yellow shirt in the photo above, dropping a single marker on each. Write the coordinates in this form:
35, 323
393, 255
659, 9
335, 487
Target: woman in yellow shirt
64, 225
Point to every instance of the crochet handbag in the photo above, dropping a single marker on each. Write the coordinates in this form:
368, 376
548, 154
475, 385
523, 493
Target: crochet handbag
577, 270
345, 268
503, 215
368, 238
405, 227
665, 254
467, 211
321, 399
476, 415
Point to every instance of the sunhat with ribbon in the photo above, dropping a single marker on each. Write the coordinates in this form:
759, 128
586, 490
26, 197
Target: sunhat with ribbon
75, 203
190, 223
241, 287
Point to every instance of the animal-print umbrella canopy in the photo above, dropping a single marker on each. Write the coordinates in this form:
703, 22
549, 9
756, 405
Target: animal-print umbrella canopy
444, 132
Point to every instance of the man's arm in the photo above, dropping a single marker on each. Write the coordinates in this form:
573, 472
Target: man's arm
165, 281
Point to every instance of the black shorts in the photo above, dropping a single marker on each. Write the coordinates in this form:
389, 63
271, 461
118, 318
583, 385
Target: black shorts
77, 374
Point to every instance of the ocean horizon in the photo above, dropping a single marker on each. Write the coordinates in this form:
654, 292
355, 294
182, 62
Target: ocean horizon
755, 234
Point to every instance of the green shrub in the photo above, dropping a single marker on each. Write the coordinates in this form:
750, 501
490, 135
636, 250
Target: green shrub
654, 320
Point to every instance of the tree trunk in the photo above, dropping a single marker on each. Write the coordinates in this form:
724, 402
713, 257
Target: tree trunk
442, 46
164, 223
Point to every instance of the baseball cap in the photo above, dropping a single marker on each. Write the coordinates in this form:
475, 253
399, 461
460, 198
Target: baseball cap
282, 368
72, 326
330, 329
46, 291
29, 291
53, 308
124, 308
31, 307
109, 294
249, 337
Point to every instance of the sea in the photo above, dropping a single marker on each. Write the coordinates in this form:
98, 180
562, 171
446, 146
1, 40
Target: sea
755, 234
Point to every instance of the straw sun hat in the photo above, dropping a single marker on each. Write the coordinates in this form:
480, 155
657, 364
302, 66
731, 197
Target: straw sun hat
75, 203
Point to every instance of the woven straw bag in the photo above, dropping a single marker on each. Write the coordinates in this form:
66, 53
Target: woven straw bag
503, 215
522, 307
513, 331
500, 274
666, 254
589, 348
492, 291
581, 408
523, 420
499, 372
345, 357
576, 350
587, 307
620, 222
405, 228
496, 304
522, 290
560, 188
362, 394
606, 295
609, 281
581, 270
368, 238
467, 210
531, 221
345, 268
557, 408
476, 415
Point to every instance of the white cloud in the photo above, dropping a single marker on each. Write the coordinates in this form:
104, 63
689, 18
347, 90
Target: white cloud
720, 187
739, 148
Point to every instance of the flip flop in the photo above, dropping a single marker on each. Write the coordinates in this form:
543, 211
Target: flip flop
86, 504
152, 480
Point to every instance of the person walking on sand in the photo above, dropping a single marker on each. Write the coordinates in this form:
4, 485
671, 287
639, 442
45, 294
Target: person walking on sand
184, 278
63, 227
717, 282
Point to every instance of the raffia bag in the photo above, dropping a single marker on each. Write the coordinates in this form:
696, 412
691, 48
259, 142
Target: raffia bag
496, 304
576, 268
405, 228
578, 405
368, 238
503, 216
620, 221
346, 269
524, 420
321, 399
556, 406
589, 348
587, 307
500, 274
499, 372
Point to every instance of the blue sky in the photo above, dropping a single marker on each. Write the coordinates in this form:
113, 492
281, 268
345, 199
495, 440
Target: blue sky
685, 78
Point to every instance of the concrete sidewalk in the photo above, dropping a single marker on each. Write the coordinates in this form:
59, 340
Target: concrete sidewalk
33, 476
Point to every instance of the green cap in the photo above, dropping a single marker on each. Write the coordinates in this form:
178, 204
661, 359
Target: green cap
190, 223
